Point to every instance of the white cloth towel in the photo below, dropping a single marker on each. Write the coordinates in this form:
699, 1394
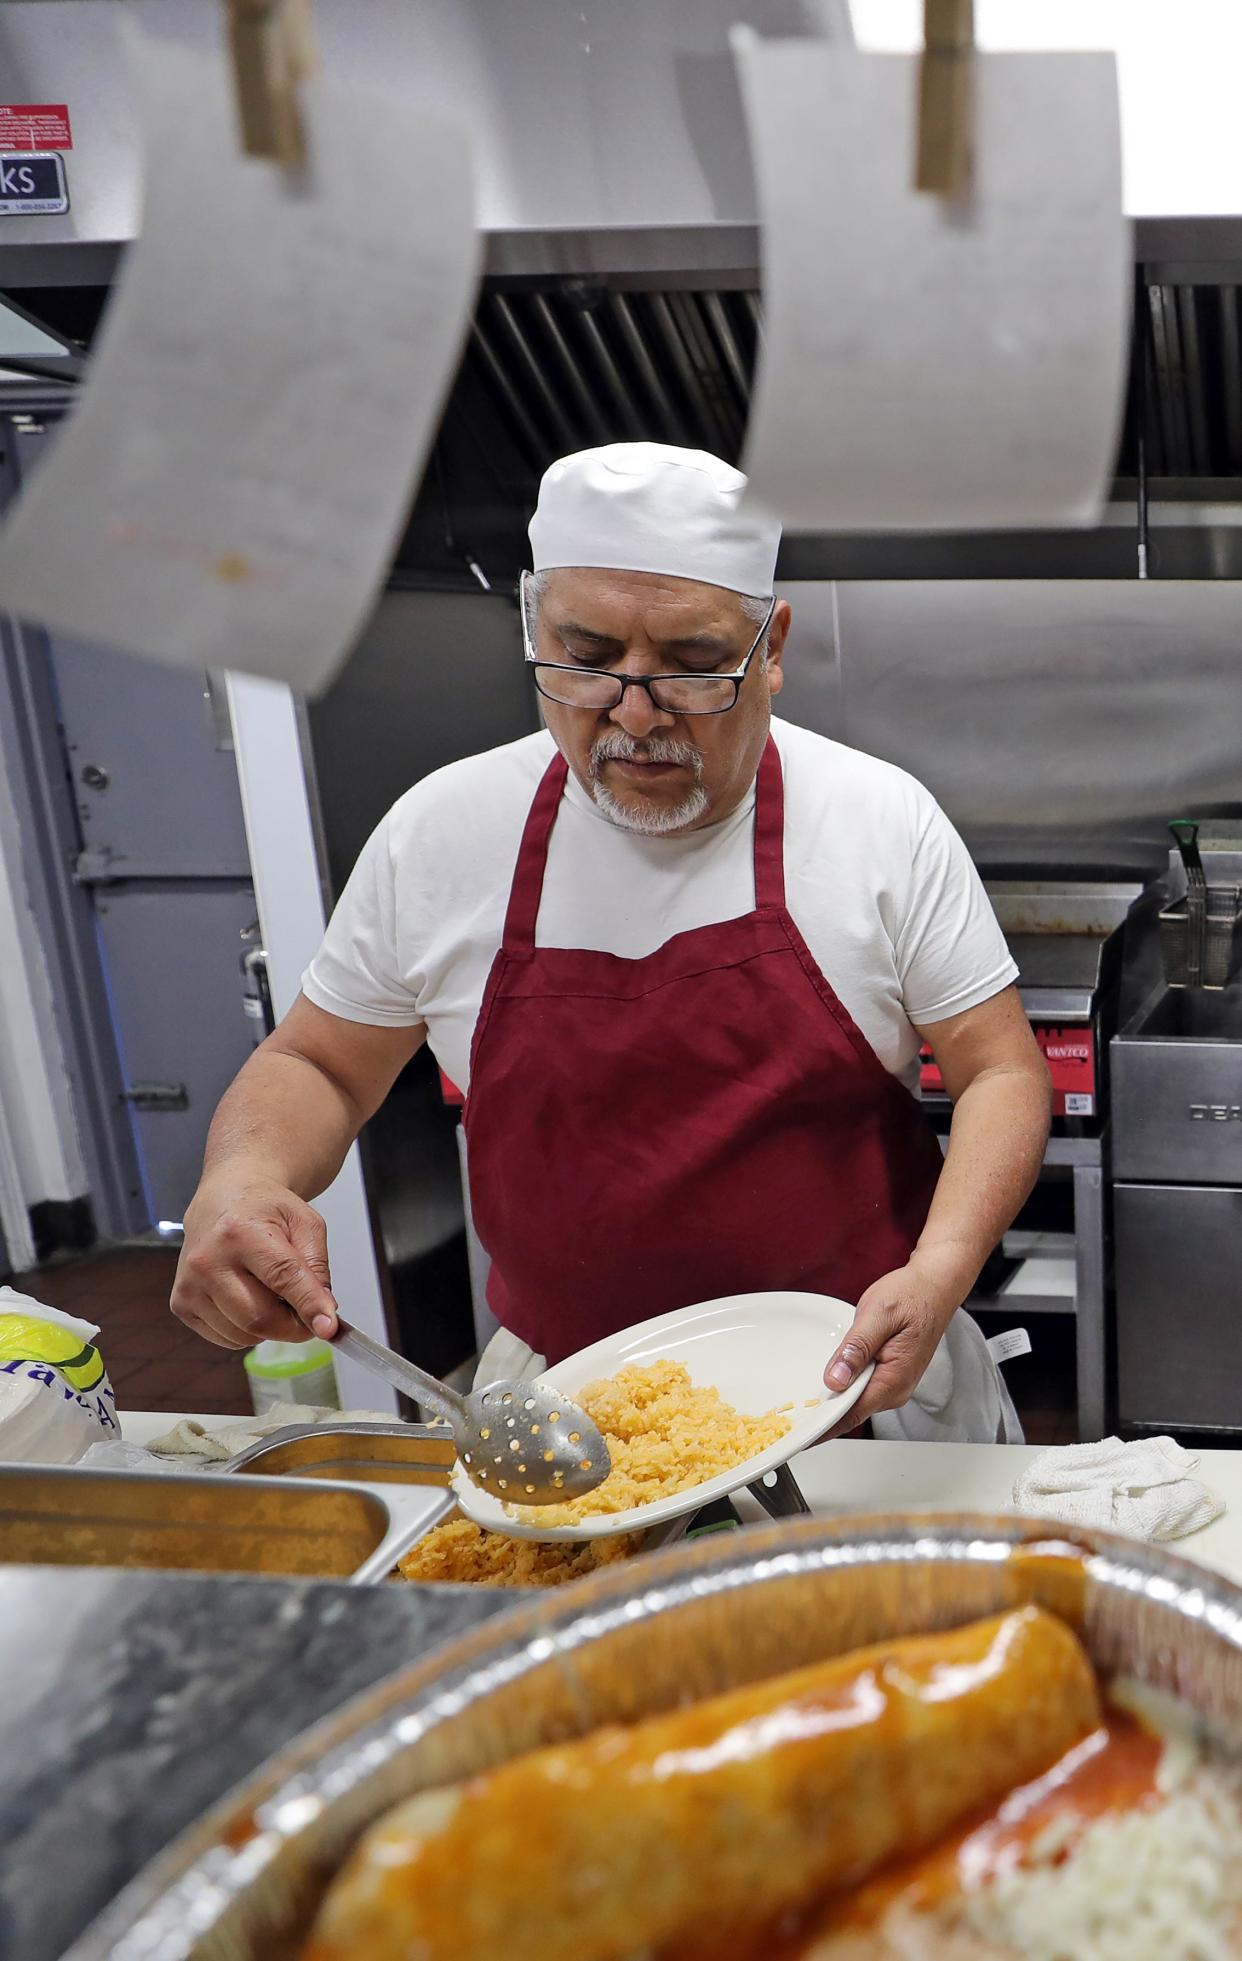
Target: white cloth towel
961, 1398
1143, 1489
190, 1446
190, 1439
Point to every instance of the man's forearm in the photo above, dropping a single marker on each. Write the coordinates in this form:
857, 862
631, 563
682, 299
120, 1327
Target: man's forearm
283, 1119
996, 1147
256, 1251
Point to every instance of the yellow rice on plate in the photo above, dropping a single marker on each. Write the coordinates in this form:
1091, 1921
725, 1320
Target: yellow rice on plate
664, 1436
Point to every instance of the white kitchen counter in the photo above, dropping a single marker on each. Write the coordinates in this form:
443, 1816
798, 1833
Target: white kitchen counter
868, 1476
863, 1475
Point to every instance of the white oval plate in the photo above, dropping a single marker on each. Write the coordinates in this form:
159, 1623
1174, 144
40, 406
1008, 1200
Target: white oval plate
759, 1350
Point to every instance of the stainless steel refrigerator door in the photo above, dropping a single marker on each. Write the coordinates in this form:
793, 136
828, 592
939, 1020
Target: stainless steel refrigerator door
1179, 1305
173, 955
150, 752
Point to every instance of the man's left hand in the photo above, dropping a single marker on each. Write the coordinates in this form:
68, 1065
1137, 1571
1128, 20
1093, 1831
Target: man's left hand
897, 1325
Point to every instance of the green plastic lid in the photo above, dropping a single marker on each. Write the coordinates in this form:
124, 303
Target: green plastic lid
272, 1360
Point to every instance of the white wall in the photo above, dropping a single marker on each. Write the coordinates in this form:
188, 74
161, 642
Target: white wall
284, 860
44, 1153
1177, 69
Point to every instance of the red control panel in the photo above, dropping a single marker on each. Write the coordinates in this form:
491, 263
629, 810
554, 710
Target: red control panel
1070, 1055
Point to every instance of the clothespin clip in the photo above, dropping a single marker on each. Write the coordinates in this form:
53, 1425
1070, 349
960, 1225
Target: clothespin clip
946, 98
273, 49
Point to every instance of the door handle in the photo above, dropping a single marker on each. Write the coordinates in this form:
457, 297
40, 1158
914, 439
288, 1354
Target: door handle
157, 1096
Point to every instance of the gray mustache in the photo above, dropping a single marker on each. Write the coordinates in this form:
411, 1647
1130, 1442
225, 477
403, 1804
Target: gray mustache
619, 747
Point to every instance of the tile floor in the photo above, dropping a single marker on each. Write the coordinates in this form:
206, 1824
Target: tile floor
155, 1363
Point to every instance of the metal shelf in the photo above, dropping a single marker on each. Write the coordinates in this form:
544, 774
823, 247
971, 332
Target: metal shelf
1044, 1280
1067, 1152
1085, 1157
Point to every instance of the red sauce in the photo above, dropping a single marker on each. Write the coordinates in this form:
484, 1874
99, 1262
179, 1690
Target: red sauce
240, 1830
1113, 1769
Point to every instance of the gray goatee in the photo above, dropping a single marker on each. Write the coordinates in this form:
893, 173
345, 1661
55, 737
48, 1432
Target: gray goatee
651, 819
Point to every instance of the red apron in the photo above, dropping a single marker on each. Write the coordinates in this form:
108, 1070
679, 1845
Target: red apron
647, 1134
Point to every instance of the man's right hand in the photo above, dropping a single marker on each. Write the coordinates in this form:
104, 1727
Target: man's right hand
254, 1266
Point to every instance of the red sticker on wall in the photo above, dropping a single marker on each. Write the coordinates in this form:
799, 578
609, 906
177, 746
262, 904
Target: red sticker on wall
35, 126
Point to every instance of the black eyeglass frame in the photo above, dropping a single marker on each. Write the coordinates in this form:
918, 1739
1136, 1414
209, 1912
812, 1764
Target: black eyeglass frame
646, 681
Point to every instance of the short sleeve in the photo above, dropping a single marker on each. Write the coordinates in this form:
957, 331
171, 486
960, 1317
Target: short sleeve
356, 973
951, 953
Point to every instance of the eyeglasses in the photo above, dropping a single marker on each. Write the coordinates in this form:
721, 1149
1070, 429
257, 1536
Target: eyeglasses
676, 694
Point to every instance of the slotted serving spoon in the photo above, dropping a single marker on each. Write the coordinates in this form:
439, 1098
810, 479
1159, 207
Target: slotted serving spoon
523, 1442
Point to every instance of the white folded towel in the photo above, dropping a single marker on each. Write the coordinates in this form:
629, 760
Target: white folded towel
189, 1439
1144, 1489
190, 1446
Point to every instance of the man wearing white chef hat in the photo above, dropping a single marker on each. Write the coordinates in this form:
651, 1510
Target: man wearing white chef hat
682, 957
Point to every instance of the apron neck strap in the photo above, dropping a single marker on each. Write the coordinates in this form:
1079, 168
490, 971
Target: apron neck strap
770, 830
527, 888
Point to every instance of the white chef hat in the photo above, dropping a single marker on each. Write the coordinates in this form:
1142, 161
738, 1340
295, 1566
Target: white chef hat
648, 507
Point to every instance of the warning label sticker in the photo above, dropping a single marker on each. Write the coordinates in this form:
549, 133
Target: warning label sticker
35, 126
1070, 1055
32, 186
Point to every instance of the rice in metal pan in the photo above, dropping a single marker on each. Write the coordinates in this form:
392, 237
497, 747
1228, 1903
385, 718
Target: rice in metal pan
461, 1552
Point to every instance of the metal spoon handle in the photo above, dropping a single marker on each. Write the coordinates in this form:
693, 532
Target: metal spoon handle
398, 1373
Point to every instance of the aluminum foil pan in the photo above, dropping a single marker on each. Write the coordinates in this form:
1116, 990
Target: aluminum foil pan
244, 1883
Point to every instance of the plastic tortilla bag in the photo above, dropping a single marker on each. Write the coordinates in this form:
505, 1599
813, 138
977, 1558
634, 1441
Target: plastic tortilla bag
55, 1396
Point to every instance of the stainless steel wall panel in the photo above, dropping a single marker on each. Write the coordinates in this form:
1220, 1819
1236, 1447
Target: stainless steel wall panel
1059, 723
435, 676
813, 694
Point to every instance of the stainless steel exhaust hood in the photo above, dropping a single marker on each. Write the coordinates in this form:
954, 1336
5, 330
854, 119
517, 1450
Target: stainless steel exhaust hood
623, 290
609, 138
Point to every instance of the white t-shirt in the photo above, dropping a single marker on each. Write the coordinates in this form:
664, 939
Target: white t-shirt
878, 881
